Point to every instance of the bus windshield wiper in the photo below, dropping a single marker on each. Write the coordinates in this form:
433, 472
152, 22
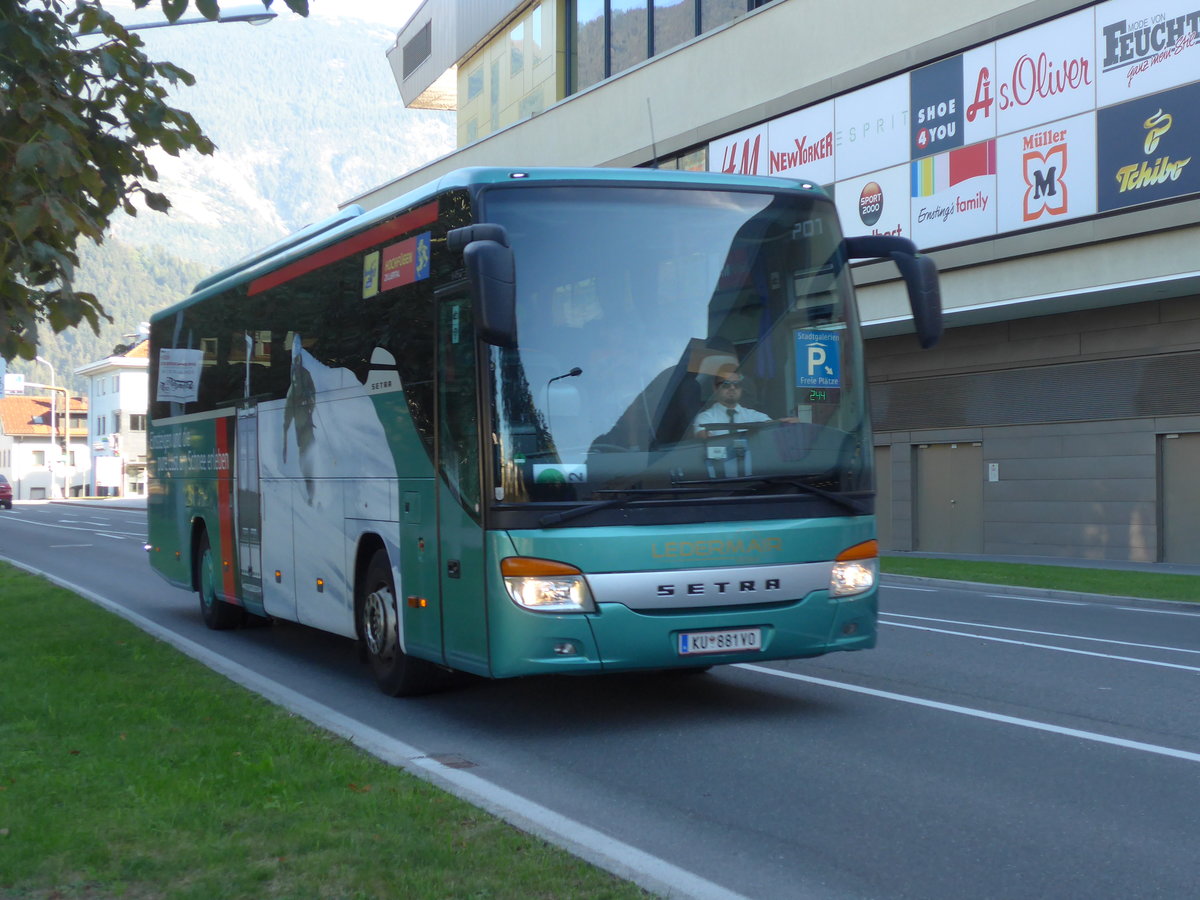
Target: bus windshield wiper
847, 501
623, 497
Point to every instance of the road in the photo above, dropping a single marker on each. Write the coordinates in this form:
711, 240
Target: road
996, 744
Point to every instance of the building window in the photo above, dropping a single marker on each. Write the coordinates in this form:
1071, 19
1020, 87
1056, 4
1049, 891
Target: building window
588, 47
417, 50
516, 50
101, 425
718, 12
137, 422
609, 36
628, 34
475, 83
674, 23
39, 457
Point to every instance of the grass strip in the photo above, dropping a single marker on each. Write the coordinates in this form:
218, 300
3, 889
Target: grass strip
1115, 582
129, 770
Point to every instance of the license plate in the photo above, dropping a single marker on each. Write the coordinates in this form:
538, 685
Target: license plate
734, 640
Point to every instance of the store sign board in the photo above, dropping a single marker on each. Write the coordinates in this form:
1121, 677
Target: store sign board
1144, 47
877, 203
800, 145
1149, 148
744, 153
954, 195
1046, 73
1046, 174
872, 128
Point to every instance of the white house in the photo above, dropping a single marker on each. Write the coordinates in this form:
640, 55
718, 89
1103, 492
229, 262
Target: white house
31, 450
117, 395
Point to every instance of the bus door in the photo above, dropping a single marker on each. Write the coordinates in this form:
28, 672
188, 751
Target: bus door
460, 535
248, 509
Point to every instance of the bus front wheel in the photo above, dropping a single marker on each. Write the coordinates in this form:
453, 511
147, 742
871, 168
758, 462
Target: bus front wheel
397, 673
218, 615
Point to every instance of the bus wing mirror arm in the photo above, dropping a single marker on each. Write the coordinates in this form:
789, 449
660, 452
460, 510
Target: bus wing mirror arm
920, 277
491, 271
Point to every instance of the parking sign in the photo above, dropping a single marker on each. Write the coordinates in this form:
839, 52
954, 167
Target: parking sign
818, 359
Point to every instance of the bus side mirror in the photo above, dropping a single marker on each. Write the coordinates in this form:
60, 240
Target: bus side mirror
492, 273
920, 277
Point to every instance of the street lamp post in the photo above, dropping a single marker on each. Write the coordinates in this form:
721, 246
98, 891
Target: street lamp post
54, 429
254, 15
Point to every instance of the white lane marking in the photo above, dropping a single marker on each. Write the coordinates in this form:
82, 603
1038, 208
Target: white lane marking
623, 860
114, 537
78, 528
903, 587
1039, 600
67, 546
1058, 634
980, 714
1160, 612
1000, 640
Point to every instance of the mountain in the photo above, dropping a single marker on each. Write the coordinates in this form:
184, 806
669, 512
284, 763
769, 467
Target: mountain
305, 115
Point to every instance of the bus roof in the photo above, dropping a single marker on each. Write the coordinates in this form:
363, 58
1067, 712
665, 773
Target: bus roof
354, 218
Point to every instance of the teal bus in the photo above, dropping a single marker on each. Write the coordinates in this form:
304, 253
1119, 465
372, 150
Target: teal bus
529, 421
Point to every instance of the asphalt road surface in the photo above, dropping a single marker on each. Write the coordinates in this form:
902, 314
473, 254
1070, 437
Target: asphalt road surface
996, 744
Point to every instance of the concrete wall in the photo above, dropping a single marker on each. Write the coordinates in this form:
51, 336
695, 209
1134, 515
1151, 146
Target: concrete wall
1081, 489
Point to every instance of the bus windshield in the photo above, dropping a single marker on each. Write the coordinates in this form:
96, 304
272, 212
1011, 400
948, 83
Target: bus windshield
675, 342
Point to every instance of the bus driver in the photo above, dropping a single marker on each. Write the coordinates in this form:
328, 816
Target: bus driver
726, 408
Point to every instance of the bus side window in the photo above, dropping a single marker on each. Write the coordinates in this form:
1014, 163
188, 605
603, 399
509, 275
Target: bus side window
456, 398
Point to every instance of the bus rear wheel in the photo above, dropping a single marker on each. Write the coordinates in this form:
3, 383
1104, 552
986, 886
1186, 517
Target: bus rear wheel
218, 615
397, 673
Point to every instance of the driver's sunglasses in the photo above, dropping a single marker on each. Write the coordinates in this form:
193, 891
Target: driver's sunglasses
736, 384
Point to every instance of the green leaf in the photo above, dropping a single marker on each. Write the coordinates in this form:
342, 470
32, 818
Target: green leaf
156, 201
173, 9
26, 219
210, 9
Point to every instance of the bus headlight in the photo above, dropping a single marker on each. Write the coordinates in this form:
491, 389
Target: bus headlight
545, 585
855, 570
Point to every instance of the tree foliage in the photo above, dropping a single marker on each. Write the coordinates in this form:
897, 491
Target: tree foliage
81, 106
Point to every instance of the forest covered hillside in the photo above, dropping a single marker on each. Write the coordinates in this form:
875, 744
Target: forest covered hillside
305, 115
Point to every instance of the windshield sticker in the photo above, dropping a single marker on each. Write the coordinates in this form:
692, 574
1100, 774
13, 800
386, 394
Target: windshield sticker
560, 473
818, 359
179, 375
370, 278
405, 262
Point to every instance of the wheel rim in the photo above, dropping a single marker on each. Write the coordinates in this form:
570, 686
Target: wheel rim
207, 582
378, 631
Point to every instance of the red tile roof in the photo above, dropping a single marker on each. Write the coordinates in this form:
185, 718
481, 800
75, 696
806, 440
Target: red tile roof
24, 416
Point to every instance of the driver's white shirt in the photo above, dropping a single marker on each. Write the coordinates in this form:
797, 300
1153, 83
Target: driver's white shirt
718, 414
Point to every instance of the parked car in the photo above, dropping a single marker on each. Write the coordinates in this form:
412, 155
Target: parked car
5, 493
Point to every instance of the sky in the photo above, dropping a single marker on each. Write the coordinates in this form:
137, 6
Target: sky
391, 13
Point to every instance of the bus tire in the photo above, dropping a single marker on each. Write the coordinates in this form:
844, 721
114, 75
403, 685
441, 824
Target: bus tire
218, 614
377, 614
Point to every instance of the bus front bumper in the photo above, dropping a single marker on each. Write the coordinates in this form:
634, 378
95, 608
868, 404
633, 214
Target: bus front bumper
618, 639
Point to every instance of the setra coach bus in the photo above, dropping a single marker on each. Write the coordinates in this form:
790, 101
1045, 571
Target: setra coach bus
533, 421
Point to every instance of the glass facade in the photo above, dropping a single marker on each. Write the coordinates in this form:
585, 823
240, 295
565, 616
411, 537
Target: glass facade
514, 76
533, 63
609, 36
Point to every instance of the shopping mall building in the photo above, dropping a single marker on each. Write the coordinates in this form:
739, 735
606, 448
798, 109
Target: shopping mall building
1042, 152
